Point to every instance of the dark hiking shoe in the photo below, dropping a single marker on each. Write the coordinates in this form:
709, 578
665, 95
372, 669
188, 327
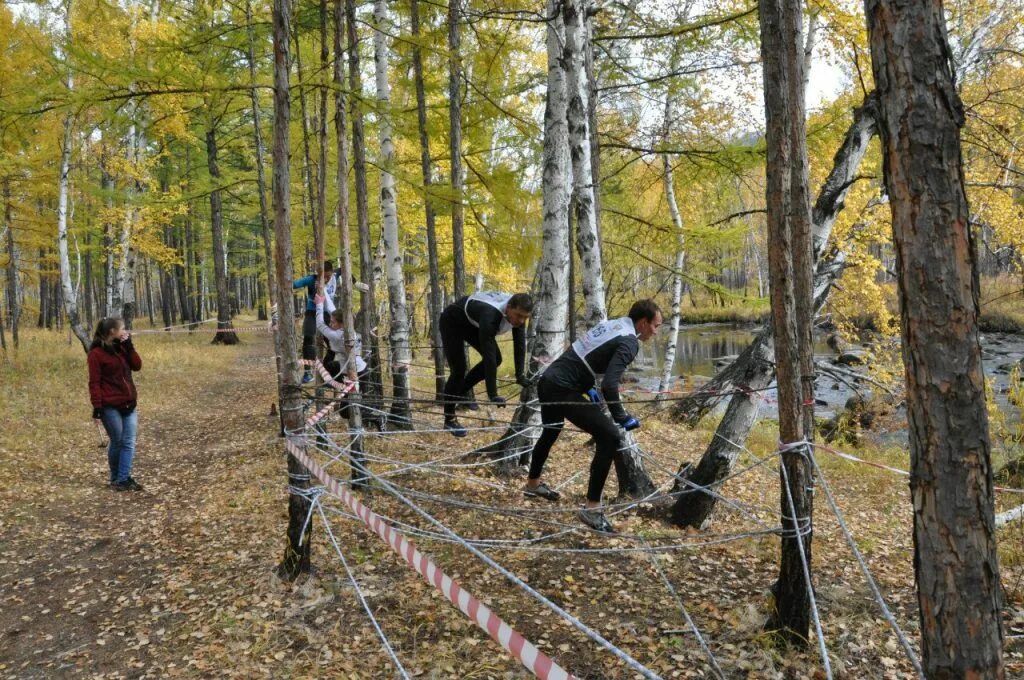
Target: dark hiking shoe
542, 491
120, 486
307, 377
133, 485
596, 520
455, 427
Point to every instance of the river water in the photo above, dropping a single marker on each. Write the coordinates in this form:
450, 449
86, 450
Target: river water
700, 347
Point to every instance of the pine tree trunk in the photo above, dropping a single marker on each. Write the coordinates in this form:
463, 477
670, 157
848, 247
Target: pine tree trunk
224, 335
321, 169
261, 182
297, 556
13, 294
399, 332
374, 392
307, 167
70, 296
428, 206
587, 244
455, 144
955, 559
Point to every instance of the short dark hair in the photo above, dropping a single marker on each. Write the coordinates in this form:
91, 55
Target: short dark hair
338, 315
328, 266
522, 301
644, 309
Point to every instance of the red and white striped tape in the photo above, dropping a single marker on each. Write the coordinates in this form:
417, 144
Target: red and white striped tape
315, 363
240, 329
515, 644
855, 459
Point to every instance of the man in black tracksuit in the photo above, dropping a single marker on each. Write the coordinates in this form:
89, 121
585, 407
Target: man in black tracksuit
477, 319
607, 349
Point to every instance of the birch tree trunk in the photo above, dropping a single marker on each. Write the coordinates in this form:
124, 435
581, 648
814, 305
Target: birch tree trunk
680, 261
224, 335
399, 332
69, 294
374, 392
743, 381
261, 182
551, 310
297, 555
955, 560
455, 144
587, 244
428, 206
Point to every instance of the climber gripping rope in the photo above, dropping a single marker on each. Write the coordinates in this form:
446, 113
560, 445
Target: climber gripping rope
477, 320
607, 349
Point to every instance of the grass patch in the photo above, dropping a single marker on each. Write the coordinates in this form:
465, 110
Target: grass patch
1002, 305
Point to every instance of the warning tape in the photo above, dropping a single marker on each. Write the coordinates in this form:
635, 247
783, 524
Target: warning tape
515, 644
880, 466
325, 374
240, 329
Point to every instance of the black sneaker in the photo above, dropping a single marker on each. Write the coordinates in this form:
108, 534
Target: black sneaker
455, 427
121, 486
595, 519
542, 491
133, 485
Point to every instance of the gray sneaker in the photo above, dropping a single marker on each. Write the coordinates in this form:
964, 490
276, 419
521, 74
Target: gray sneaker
542, 490
595, 519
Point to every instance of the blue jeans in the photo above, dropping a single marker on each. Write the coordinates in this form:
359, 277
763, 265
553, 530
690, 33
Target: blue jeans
121, 430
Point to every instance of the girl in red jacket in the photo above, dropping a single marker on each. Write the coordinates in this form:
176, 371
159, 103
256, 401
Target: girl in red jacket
112, 358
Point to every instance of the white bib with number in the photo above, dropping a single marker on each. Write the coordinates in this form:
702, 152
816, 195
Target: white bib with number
497, 300
601, 334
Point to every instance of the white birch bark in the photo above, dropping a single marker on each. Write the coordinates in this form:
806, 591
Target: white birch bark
680, 261
70, 296
399, 333
587, 244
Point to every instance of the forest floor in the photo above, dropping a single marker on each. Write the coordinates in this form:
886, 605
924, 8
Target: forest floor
178, 580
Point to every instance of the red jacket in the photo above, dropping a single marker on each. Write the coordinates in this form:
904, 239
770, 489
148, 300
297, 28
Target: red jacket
110, 375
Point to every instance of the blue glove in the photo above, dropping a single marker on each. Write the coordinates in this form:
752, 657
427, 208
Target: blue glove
630, 423
593, 395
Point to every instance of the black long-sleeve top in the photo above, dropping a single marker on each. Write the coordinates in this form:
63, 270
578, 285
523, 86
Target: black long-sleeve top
609, 360
490, 323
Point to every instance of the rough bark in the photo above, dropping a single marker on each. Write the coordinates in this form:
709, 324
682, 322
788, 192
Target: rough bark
587, 244
13, 294
399, 331
261, 182
790, 270
297, 553
374, 392
455, 144
224, 335
428, 206
69, 294
955, 560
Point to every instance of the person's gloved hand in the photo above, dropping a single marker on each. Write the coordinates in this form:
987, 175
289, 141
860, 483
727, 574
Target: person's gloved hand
318, 299
498, 401
593, 395
629, 423
97, 413
522, 380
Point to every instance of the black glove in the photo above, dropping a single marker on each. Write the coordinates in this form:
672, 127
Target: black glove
97, 413
629, 423
498, 401
522, 380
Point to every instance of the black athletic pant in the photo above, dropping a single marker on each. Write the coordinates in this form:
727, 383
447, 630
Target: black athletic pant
309, 334
558, 404
460, 382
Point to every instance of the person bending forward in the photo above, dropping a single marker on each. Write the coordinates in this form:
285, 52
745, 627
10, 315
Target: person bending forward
478, 319
608, 349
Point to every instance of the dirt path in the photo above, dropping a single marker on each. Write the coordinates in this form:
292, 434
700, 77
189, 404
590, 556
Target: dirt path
92, 581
